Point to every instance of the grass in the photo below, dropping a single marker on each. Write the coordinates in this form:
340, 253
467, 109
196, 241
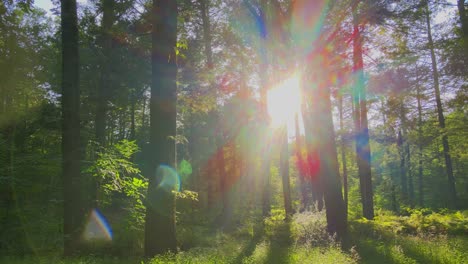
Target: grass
302, 239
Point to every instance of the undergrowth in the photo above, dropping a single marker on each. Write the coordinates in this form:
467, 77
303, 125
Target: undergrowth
420, 236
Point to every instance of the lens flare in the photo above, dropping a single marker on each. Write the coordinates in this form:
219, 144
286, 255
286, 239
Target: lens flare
97, 227
169, 178
284, 102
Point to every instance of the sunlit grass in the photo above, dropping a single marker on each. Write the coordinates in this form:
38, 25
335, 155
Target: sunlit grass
300, 239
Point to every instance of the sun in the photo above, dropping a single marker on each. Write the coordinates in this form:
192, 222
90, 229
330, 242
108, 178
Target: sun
284, 101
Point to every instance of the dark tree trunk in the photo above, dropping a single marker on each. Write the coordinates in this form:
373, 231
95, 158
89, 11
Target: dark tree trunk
343, 154
335, 208
72, 204
160, 234
410, 175
311, 135
300, 158
106, 71
205, 12
362, 131
420, 147
132, 117
284, 170
226, 214
452, 193
403, 179
463, 18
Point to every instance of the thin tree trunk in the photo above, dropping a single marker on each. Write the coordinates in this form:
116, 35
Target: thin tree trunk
300, 158
420, 146
452, 193
343, 154
160, 233
72, 203
362, 130
132, 116
410, 175
284, 170
265, 170
106, 64
403, 180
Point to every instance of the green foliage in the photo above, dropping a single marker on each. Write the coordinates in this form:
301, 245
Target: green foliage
377, 242
421, 222
116, 172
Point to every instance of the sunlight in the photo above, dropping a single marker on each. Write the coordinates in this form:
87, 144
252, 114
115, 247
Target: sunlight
284, 102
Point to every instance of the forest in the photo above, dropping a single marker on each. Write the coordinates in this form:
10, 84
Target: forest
233, 131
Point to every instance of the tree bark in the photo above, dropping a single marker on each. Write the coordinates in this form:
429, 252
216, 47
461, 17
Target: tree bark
300, 158
452, 194
72, 203
403, 179
362, 131
160, 235
343, 154
106, 78
420, 148
284, 170
335, 208
463, 18
263, 74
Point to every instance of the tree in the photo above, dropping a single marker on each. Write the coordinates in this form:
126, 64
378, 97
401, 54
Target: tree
71, 153
284, 170
453, 200
360, 118
160, 233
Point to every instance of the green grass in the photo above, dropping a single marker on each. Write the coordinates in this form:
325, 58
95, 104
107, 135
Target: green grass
302, 240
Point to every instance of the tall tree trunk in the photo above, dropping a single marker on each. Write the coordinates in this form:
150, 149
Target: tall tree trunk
403, 179
160, 235
132, 117
311, 136
300, 158
343, 154
284, 170
263, 74
420, 147
362, 130
205, 12
106, 78
335, 208
223, 176
452, 193
463, 18
72, 203
410, 175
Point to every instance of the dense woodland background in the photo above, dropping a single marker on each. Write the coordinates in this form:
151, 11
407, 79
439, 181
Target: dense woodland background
153, 114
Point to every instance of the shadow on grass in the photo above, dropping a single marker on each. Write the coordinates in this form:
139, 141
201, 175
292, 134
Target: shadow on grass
377, 246
249, 249
280, 243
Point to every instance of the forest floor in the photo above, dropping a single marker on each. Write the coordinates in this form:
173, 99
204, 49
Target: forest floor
299, 241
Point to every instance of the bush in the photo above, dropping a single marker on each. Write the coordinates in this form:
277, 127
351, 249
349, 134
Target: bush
310, 228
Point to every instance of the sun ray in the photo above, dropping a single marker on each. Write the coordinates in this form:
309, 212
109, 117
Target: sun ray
283, 102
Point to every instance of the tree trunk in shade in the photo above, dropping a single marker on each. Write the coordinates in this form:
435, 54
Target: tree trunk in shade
420, 148
160, 234
72, 182
335, 207
106, 71
300, 158
363, 152
343, 154
452, 193
284, 170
